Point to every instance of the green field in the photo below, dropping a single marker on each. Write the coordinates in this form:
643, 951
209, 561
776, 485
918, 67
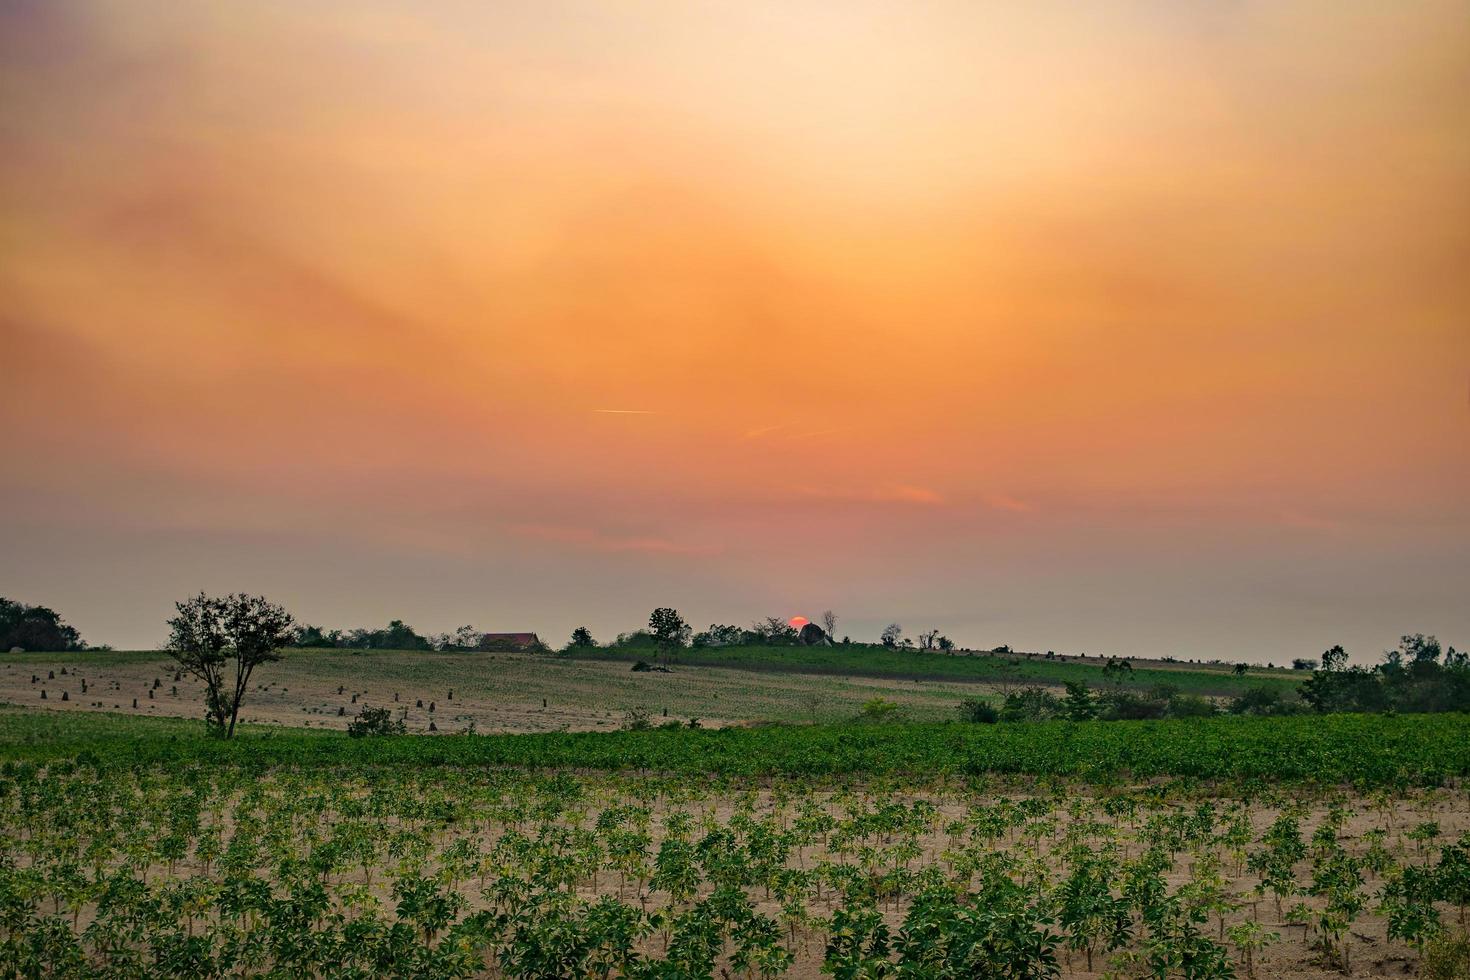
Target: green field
865, 660
496, 692
1366, 750
1301, 846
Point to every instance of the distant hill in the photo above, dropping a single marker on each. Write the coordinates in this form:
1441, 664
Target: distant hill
1019, 669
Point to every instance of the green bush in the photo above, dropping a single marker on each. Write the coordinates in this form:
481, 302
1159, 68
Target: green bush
1031, 704
1447, 957
374, 721
978, 712
880, 710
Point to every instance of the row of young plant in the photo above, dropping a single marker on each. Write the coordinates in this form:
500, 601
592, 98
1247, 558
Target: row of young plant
1366, 751
391, 871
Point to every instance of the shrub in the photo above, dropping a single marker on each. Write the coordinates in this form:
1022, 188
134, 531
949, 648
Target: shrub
1256, 701
1446, 957
644, 667
636, 720
1127, 706
978, 712
374, 721
879, 710
637, 639
1031, 704
1191, 706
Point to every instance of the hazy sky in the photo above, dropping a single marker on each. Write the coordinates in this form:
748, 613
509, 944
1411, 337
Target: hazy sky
1134, 327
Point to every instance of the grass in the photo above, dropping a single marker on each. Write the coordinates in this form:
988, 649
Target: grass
499, 691
1367, 750
865, 660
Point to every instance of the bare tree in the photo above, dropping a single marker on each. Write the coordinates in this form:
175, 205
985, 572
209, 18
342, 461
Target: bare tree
927, 640
891, 634
829, 623
209, 634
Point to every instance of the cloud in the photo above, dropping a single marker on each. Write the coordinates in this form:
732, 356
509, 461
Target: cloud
593, 539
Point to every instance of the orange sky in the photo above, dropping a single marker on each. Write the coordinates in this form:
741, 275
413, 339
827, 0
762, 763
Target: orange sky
1134, 327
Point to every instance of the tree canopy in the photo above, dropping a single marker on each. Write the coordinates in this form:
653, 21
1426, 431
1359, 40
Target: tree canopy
35, 628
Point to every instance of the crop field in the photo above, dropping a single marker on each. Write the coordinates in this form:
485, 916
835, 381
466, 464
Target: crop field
1003, 670
498, 692
136, 846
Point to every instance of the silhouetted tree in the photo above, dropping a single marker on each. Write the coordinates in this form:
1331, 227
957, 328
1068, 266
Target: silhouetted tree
774, 631
35, 628
719, 636
1116, 670
314, 637
829, 623
891, 634
1334, 659
582, 637
669, 631
210, 634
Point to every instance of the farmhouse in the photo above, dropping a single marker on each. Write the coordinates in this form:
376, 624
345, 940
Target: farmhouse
509, 642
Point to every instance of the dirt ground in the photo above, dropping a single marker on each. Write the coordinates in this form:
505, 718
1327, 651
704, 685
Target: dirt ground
496, 692
1295, 955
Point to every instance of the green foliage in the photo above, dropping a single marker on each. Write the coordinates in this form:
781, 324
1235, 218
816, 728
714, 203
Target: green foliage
146, 851
1447, 957
880, 710
373, 722
1365, 750
1079, 704
978, 712
875, 660
1418, 676
222, 640
1031, 704
669, 631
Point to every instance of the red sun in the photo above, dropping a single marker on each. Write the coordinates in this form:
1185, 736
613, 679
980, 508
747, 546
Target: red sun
797, 622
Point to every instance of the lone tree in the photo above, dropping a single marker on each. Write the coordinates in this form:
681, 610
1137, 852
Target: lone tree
1116, 670
209, 634
892, 633
829, 623
669, 631
1334, 659
582, 637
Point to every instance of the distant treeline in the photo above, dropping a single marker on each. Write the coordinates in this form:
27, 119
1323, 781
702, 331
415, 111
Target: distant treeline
397, 635
1418, 677
35, 628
